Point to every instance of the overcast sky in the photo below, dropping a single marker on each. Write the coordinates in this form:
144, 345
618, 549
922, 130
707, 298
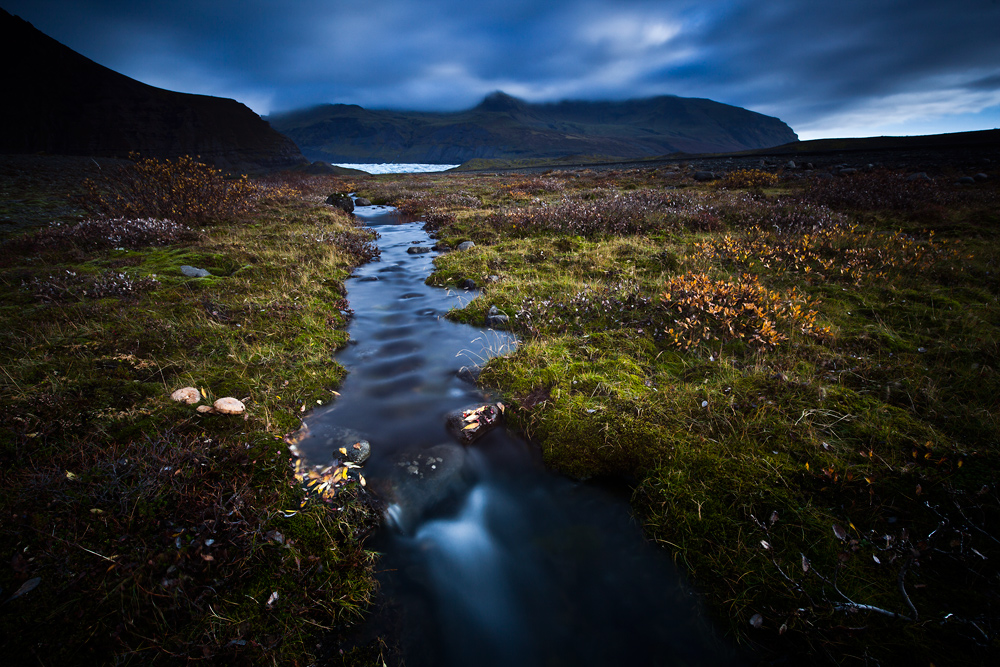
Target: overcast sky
827, 68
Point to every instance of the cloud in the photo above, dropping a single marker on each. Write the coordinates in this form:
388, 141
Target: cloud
818, 66
891, 115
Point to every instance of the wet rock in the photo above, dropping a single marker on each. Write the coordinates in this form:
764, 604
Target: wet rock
704, 176
466, 245
496, 318
349, 444
981, 177
188, 395
417, 250
229, 406
441, 246
341, 201
469, 424
357, 452
468, 283
420, 481
193, 272
361, 201
965, 180
919, 176
468, 374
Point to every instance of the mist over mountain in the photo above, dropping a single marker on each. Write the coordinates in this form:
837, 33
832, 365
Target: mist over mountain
502, 126
57, 101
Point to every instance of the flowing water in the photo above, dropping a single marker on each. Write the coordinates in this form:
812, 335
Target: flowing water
490, 559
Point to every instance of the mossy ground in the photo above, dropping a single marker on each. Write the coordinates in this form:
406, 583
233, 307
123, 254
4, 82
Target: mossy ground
831, 483
831, 479
156, 534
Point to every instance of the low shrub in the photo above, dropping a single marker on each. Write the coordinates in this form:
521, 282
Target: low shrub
183, 189
70, 285
615, 214
106, 233
754, 179
603, 307
787, 215
700, 309
875, 190
840, 251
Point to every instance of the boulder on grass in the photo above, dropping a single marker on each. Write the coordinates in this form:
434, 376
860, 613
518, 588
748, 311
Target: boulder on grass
341, 201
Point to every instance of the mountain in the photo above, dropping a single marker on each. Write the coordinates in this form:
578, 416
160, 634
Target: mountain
59, 102
502, 126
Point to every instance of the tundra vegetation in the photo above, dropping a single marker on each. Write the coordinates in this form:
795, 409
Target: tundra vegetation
797, 379
136, 530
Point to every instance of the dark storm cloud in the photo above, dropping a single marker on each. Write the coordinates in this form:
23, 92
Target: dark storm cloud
822, 67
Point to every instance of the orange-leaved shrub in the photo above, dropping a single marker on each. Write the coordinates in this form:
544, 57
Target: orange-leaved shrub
699, 309
182, 190
844, 251
749, 178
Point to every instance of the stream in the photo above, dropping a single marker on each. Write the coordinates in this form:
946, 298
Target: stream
489, 558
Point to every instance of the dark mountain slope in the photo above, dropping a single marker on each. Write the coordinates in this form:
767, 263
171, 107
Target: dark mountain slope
502, 126
57, 101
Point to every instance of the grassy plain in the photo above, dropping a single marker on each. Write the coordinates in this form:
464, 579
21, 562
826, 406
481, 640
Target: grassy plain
136, 530
797, 377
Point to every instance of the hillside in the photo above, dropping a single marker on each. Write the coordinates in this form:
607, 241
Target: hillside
59, 102
502, 126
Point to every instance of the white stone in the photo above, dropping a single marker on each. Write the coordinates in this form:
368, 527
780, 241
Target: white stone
187, 395
230, 406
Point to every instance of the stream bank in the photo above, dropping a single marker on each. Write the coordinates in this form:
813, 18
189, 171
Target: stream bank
487, 558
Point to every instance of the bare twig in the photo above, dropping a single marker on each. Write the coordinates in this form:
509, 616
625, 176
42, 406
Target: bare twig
902, 588
854, 606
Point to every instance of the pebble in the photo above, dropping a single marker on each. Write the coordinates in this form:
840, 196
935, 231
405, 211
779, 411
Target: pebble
495, 318
194, 272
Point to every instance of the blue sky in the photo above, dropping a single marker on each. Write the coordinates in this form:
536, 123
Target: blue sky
828, 69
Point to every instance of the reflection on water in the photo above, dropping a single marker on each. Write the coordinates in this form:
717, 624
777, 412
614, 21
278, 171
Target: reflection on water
489, 559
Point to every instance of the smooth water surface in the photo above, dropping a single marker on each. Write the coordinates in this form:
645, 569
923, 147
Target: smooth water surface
396, 167
488, 558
